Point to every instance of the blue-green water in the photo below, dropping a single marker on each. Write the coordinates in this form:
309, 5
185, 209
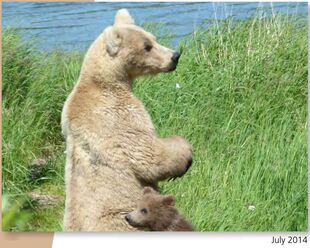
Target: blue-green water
73, 26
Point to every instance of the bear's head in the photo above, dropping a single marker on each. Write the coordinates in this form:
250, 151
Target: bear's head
136, 50
154, 211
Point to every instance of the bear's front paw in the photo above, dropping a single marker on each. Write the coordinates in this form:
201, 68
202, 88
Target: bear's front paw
180, 155
189, 164
185, 158
185, 168
187, 154
182, 172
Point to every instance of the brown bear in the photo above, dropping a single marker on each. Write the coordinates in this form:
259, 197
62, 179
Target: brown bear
157, 212
111, 144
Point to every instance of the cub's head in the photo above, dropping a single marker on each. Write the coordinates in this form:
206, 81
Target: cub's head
135, 49
154, 211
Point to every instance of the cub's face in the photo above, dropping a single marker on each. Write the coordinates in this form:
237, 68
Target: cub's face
153, 210
137, 50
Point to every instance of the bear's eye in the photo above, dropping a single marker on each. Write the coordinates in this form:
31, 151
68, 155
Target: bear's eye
143, 211
148, 47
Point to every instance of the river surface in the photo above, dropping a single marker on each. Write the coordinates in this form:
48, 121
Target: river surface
73, 26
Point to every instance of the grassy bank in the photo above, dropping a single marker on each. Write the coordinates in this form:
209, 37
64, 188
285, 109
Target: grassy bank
241, 102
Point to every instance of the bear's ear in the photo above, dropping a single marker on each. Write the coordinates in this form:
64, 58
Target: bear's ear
112, 40
169, 200
148, 190
123, 17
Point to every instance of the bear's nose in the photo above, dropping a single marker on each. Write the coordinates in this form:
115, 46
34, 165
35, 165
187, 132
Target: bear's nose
175, 57
127, 218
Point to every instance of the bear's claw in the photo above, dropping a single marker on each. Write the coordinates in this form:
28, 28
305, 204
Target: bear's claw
188, 165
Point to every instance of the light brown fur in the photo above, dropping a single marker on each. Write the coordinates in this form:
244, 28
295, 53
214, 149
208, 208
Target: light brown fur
157, 212
112, 148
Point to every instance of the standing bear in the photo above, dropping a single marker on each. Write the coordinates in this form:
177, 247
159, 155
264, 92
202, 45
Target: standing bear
112, 147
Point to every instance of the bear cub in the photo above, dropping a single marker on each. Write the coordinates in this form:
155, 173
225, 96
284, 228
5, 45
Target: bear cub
157, 212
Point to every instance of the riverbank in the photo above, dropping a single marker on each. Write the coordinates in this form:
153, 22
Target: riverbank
239, 95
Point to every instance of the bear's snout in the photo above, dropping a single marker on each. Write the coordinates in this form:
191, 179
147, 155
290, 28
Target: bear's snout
127, 218
175, 57
174, 61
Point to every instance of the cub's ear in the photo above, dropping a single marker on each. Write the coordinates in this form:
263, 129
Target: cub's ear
112, 40
169, 200
148, 190
123, 17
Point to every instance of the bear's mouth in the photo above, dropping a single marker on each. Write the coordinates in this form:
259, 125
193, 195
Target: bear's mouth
131, 222
172, 67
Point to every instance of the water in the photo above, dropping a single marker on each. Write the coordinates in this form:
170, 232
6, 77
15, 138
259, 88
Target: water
73, 26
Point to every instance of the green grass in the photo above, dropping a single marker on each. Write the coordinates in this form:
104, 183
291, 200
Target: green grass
242, 104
